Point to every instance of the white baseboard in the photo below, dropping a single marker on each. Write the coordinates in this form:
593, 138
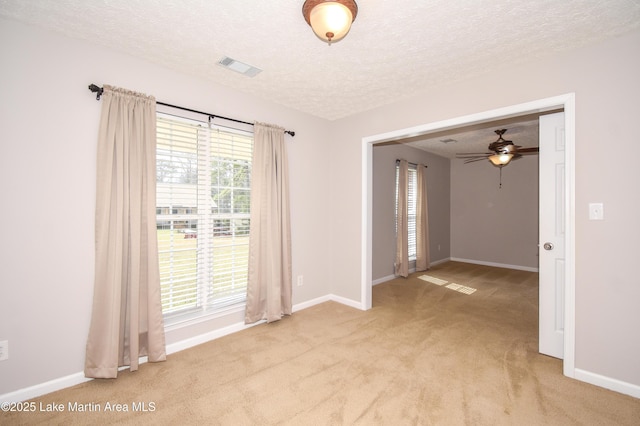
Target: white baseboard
391, 277
233, 328
347, 302
44, 388
437, 262
382, 280
607, 383
78, 378
309, 303
497, 265
207, 337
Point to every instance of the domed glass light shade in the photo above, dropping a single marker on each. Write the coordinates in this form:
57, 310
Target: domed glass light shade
500, 159
330, 20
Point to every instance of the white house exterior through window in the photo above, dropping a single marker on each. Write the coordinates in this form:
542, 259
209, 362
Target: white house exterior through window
203, 209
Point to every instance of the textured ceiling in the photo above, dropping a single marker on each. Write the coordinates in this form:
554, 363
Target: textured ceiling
522, 131
396, 48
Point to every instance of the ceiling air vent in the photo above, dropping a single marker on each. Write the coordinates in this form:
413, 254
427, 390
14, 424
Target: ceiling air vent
240, 67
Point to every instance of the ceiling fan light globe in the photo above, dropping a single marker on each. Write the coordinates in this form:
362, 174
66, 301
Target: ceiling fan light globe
500, 159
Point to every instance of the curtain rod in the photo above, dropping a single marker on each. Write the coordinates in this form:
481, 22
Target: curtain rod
98, 91
413, 164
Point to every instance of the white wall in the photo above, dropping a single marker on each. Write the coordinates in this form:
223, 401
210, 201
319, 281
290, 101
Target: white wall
48, 128
604, 79
48, 132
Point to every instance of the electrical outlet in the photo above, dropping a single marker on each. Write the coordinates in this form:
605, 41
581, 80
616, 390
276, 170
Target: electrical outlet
4, 350
300, 281
596, 211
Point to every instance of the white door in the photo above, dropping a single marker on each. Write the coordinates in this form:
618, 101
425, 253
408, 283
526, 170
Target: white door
552, 235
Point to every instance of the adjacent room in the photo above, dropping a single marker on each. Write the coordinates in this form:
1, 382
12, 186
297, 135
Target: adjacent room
519, 305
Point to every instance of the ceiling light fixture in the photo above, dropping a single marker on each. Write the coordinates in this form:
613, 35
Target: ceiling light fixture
500, 159
330, 20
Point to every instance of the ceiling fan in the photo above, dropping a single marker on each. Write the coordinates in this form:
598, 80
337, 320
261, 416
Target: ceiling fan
502, 152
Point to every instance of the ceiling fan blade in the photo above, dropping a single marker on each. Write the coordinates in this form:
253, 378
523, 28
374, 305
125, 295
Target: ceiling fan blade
472, 154
471, 157
473, 160
529, 150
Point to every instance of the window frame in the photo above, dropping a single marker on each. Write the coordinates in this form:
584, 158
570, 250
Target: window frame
205, 269
412, 203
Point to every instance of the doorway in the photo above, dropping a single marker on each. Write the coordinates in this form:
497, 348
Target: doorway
565, 102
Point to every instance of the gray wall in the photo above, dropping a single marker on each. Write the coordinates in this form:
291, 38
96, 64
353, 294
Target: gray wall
470, 217
438, 189
492, 224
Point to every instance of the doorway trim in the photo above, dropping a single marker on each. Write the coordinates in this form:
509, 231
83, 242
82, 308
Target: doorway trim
566, 102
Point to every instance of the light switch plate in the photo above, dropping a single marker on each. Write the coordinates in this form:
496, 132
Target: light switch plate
596, 211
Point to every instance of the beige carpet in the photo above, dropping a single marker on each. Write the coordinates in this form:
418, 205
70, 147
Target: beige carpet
424, 355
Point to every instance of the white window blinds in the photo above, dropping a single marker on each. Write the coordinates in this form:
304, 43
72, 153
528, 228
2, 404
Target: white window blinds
412, 199
202, 199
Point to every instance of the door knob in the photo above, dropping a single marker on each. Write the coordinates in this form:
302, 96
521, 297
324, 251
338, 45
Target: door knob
548, 246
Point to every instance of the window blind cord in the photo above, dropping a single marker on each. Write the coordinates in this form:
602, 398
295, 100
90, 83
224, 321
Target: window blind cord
99, 90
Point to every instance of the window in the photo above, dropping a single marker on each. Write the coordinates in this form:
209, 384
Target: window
412, 198
203, 206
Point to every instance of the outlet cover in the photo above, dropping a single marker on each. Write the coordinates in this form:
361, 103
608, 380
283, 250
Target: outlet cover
596, 211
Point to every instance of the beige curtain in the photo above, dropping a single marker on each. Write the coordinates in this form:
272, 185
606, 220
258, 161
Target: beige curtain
269, 286
401, 265
422, 221
126, 321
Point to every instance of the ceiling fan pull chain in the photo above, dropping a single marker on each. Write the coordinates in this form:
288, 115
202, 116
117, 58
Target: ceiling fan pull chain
500, 187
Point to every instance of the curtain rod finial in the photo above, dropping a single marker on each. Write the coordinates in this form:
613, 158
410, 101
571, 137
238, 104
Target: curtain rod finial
97, 90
